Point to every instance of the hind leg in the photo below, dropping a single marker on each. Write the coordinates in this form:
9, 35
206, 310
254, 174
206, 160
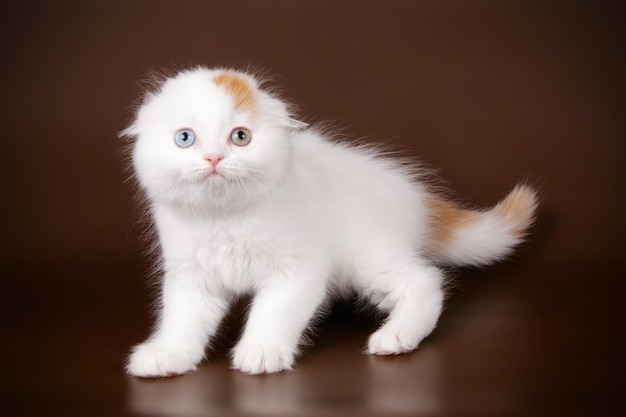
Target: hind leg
410, 291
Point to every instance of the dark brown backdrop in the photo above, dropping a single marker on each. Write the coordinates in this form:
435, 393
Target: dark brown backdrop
488, 92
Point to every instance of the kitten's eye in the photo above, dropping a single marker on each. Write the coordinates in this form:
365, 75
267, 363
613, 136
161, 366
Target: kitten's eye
240, 136
185, 138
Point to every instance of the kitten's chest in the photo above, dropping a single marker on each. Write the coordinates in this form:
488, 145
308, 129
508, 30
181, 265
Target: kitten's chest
238, 255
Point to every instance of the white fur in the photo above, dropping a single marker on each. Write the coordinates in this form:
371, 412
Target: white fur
481, 242
293, 218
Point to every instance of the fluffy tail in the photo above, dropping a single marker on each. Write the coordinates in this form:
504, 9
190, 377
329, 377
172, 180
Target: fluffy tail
467, 237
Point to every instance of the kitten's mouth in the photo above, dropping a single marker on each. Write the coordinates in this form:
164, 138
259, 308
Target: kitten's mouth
213, 175
206, 175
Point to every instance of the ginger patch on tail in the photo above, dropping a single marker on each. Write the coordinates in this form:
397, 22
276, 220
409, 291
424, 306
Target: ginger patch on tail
445, 219
478, 237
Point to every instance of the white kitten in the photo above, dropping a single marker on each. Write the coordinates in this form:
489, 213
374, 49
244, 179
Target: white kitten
247, 201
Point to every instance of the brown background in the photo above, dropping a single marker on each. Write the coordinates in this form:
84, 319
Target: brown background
487, 92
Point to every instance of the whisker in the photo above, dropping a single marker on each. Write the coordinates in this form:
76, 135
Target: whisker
243, 186
260, 185
258, 171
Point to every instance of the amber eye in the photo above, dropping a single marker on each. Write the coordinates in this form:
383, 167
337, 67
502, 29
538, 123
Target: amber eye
240, 136
185, 138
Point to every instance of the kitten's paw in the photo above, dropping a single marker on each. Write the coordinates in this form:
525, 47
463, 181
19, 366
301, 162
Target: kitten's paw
388, 341
149, 360
262, 359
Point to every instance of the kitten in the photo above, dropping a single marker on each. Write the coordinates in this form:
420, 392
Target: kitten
246, 200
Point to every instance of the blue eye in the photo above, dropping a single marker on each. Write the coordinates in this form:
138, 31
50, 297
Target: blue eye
185, 138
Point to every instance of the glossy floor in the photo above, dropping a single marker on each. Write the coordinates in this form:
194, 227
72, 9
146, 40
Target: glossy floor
515, 341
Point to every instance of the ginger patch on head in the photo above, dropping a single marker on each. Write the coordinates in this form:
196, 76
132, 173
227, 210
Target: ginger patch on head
239, 89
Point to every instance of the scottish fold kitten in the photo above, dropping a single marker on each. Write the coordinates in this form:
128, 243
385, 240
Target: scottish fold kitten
246, 200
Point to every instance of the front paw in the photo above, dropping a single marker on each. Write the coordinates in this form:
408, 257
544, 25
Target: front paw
389, 341
149, 360
262, 359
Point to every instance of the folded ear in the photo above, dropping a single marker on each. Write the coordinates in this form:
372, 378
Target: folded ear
276, 109
128, 133
295, 124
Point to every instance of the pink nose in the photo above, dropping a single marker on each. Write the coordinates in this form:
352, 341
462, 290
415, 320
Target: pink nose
213, 159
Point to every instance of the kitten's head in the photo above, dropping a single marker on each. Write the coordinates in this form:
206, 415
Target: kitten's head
211, 140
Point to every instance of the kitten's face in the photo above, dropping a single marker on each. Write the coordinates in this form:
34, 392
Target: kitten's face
210, 140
